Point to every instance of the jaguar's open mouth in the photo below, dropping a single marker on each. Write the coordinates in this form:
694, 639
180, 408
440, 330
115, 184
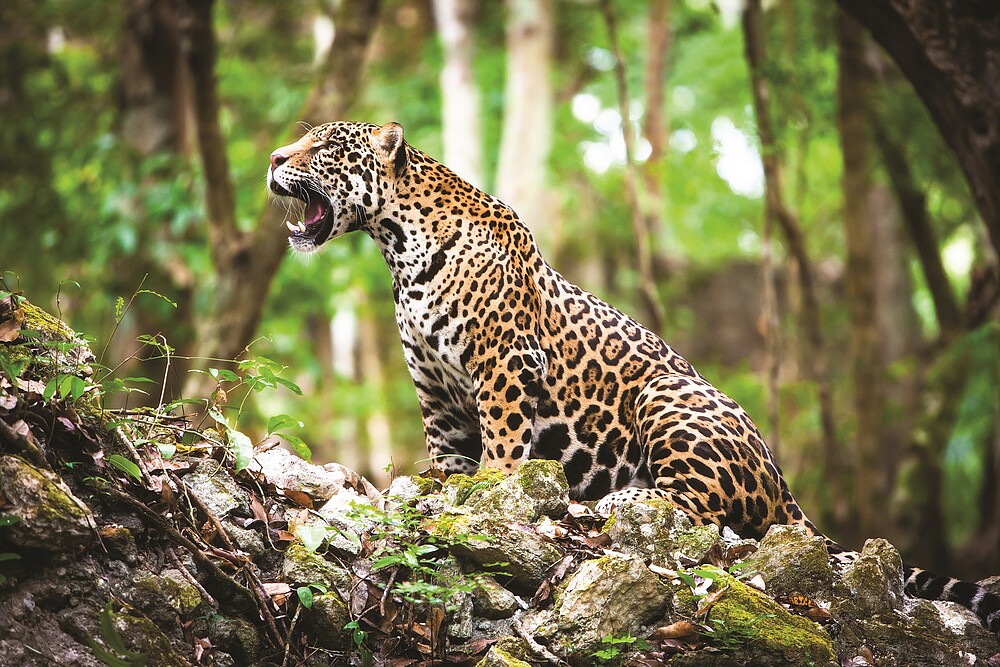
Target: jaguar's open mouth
314, 222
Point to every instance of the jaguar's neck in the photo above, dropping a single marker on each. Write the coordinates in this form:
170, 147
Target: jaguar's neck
434, 214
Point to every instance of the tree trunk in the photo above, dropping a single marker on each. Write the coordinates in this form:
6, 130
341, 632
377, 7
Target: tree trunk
950, 52
655, 127
655, 316
777, 209
527, 119
156, 109
246, 261
866, 368
459, 94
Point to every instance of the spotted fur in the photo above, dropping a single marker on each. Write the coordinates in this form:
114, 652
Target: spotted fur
511, 361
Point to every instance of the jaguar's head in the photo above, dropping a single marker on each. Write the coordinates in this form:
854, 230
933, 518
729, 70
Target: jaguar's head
336, 177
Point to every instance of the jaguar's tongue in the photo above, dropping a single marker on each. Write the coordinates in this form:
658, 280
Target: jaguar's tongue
316, 208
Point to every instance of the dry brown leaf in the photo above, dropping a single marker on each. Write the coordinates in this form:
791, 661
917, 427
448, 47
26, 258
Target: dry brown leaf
598, 541
662, 571
819, 615
709, 601
11, 319
276, 588
576, 510
675, 630
299, 498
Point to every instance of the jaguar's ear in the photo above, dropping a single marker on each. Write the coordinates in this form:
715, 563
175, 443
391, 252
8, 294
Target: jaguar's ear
388, 141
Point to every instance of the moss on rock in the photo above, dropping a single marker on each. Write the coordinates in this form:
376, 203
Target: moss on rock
326, 619
612, 595
507, 652
518, 550
460, 489
141, 635
747, 619
792, 560
51, 517
302, 567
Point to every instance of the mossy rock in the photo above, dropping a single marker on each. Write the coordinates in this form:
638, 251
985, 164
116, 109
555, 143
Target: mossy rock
792, 560
460, 489
302, 567
165, 595
537, 488
326, 619
236, 637
656, 530
73, 356
763, 632
141, 635
515, 550
507, 652
51, 517
613, 595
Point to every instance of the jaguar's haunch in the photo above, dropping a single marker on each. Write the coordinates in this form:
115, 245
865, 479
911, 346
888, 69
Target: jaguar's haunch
511, 361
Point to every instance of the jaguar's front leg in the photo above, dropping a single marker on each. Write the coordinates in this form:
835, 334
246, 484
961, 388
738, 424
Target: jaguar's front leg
508, 385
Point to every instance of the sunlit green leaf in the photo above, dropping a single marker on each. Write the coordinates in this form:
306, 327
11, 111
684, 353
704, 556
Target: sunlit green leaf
125, 466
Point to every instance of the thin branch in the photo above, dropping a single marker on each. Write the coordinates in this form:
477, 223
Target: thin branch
643, 237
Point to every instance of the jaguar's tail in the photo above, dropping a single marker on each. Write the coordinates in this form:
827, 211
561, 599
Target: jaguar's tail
929, 586
923, 584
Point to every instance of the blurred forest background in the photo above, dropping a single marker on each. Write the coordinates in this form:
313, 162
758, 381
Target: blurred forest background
757, 181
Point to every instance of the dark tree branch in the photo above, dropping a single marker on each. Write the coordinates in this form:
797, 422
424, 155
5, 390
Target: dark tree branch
950, 52
219, 195
918, 224
247, 261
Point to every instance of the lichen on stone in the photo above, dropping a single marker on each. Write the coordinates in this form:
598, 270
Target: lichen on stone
747, 619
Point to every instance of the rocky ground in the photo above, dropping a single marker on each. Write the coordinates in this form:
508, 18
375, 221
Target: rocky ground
140, 539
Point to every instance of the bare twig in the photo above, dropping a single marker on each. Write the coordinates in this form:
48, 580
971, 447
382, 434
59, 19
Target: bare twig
643, 236
205, 595
291, 633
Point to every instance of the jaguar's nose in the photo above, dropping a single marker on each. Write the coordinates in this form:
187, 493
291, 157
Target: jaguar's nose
278, 159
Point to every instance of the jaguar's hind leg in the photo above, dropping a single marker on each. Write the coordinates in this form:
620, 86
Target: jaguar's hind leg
705, 455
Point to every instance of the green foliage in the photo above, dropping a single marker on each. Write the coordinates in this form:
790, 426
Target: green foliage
114, 653
126, 466
359, 637
614, 648
305, 593
407, 546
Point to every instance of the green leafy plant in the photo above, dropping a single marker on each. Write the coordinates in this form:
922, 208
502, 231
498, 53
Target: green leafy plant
359, 637
279, 424
305, 593
613, 648
407, 545
114, 653
126, 466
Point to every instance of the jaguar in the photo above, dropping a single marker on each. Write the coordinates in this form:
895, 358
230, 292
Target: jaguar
511, 361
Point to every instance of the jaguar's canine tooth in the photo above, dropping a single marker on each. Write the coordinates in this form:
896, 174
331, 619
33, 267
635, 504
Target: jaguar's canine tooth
302, 227
291, 227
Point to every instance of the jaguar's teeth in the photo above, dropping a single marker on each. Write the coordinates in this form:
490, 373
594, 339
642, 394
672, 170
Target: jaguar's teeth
302, 227
291, 227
